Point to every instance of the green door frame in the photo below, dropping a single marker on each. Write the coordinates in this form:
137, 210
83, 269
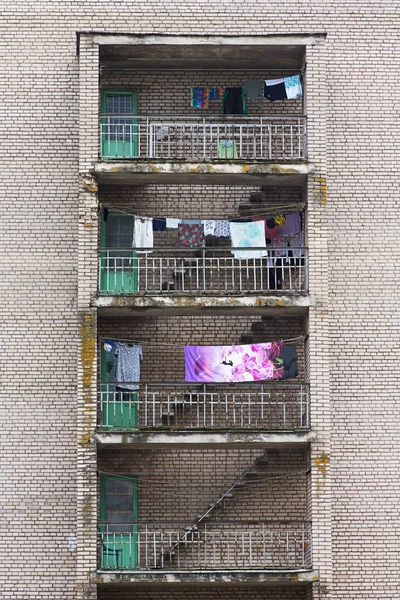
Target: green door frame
125, 142
121, 414
119, 550
118, 274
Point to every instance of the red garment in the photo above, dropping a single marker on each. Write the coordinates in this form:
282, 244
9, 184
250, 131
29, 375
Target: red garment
271, 234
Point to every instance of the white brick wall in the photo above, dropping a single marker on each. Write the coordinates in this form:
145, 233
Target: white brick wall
355, 343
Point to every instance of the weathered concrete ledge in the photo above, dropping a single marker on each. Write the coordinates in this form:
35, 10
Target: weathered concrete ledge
272, 439
218, 172
263, 305
265, 577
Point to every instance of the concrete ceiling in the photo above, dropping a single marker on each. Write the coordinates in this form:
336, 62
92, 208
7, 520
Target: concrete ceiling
202, 57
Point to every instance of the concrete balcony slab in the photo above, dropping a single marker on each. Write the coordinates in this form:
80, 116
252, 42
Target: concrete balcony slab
205, 439
295, 577
259, 173
132, 305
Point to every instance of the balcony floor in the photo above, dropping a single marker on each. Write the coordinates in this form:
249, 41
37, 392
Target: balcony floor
205, 439
123, 305
144, 172
264, 577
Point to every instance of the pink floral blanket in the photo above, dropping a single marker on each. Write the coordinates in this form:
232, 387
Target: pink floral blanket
250, 362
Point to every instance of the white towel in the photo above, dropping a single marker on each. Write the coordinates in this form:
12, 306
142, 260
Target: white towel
209, 227
143, 233
248, 235
172, 223
274, 81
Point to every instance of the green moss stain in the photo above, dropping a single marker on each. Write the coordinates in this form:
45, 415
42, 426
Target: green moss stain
87, 331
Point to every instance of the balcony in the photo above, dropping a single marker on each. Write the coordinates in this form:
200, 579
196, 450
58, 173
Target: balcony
183, 406
268, 545
213, 138
212, 271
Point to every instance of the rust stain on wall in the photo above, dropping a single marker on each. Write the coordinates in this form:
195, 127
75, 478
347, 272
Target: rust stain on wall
321, 181
321, 462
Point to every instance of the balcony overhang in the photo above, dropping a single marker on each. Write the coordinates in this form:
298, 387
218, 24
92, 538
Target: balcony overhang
145, 172
211, 52
140, 305
293, 577
209, 439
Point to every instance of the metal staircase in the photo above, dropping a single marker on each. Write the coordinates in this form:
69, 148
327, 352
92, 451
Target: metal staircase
219, 504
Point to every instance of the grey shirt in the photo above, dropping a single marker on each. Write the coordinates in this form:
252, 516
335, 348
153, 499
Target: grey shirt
128, 365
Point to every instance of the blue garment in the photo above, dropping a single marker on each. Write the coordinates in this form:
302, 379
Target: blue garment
293, 87
159, 224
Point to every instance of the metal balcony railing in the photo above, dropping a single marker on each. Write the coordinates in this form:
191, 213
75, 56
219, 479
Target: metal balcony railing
256, 406
213, 546
203, 139
202, 270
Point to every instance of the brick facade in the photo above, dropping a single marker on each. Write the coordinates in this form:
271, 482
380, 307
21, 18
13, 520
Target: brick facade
49, 266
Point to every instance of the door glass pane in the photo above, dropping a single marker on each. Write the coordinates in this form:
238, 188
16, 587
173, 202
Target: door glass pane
119, 231
119, 104
119, 129
118, 505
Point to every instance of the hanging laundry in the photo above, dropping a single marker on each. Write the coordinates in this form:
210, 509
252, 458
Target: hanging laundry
293, 87
159, 224
253, 89
248, 235
108, 345
292, 225
275, 270
200, 97
209, 227
295, 244
222, 229
274, 89
233, 101
251, 362
128, 365
143, 233
172, 223
289, 362
190, 235
191, 221
270, 229
227, 149
215, 93
105, 212
279, 219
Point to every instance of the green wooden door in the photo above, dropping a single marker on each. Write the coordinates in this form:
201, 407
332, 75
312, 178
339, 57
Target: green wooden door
118, 518
119, 129
118, 407
118, 268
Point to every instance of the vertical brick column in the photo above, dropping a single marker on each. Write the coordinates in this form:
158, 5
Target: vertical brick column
318, 323
87, 286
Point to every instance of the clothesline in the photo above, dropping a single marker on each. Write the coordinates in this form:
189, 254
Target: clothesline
149, 343
264, 213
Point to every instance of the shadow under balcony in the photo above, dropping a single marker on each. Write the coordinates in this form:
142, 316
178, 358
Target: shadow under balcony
213, 551
193, 278
268, 414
